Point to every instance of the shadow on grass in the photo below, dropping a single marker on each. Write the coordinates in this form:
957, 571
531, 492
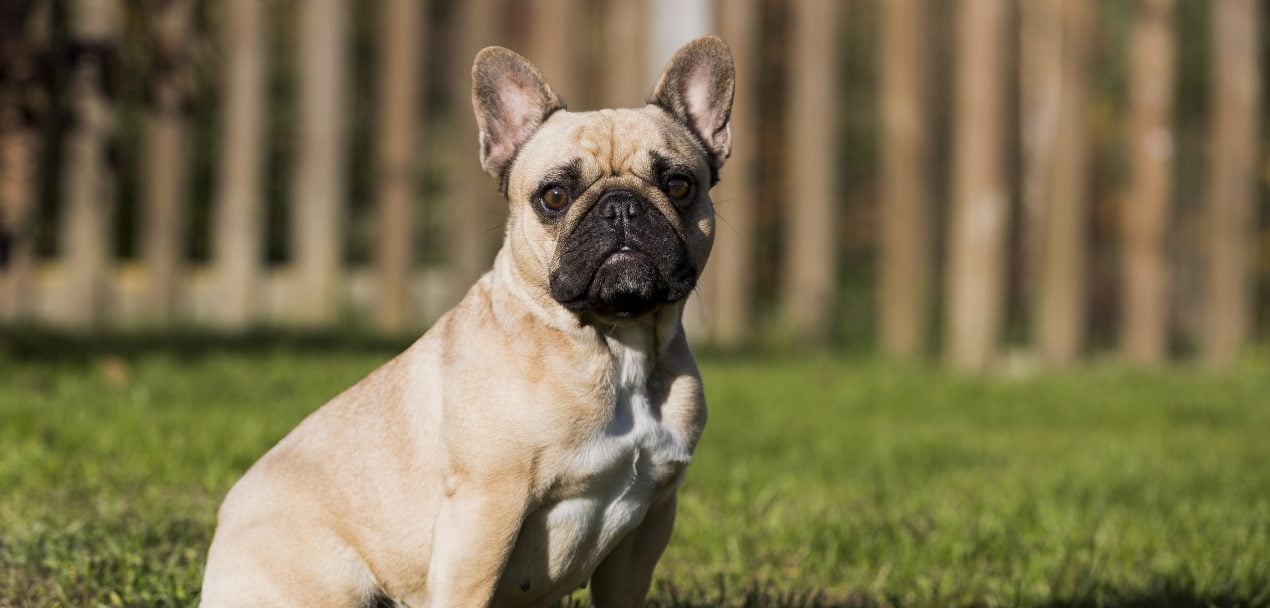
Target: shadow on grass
42, 344
669, 595
1163, 594
1167, 594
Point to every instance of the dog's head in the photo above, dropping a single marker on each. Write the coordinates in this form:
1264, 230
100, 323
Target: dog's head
610, 211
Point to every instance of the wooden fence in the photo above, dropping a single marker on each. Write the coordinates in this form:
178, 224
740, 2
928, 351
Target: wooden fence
980, 199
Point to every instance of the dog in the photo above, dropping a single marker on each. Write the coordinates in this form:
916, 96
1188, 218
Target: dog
533, 440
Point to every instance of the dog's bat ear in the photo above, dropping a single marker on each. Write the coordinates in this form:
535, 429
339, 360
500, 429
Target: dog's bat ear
511, 100
696, 87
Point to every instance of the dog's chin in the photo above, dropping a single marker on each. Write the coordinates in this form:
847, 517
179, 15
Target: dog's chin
626, 286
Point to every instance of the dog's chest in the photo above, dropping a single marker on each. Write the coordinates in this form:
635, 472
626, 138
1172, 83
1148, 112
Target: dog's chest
618, 470
608, 486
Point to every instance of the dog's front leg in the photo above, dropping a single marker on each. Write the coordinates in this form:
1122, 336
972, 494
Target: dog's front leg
473, 539
623, 578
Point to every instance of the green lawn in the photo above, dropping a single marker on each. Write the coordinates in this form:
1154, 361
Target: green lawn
820, 480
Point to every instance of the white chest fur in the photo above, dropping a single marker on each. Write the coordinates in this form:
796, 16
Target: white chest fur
616, 475
637, 452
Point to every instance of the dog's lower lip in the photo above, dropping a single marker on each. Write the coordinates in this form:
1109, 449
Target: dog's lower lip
624, 255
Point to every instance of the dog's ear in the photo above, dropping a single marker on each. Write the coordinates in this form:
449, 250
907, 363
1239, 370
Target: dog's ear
511, 101
697, 88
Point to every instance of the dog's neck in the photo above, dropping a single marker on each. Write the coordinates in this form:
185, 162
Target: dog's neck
645, 339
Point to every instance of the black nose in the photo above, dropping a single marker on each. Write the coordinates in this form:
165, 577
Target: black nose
617, 204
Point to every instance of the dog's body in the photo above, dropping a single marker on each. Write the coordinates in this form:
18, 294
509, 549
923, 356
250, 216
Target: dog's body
533, 440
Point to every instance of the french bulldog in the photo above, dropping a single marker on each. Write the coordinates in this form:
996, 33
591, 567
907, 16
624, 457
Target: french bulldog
534, 439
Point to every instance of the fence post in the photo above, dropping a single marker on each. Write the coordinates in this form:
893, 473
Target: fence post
904, 306
810, 264
1040, 81
727, 286
166, 160
320, 185
476, 211
979, 213
673, 24
1060, 298
1233, 165
402, 22
238, 236
1144, 304
89, 192
623, 81
552, 48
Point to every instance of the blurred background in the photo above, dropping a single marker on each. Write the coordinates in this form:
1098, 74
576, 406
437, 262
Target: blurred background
984, 182
216, 214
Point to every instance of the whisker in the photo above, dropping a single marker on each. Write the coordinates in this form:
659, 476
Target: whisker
701, 304
729, 224
494, 227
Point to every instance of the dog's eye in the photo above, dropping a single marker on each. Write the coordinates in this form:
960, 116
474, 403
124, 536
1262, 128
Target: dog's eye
554, 198
678, 187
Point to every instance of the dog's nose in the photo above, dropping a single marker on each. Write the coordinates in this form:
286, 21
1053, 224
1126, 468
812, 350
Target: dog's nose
616, 204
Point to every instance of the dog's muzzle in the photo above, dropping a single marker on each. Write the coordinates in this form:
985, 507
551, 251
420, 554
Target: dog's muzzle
622, 260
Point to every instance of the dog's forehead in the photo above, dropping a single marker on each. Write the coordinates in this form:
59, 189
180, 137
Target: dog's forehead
608, 142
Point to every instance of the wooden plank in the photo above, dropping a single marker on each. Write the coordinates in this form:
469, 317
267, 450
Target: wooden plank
166, 165
402, 43
625, 49
976, 276
1144, 304
238, 230
810, 262
727, 288
554, 46
476, 215
1059, 328
1232, 176
904, 306
89, 203
318, 206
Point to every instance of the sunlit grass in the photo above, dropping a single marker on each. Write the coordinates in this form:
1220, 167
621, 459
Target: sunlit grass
820, 480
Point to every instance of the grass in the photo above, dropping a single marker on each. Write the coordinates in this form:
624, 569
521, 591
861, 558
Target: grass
821, 481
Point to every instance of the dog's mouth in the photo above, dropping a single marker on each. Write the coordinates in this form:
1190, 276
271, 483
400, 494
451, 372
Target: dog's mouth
622, 274
626, 285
